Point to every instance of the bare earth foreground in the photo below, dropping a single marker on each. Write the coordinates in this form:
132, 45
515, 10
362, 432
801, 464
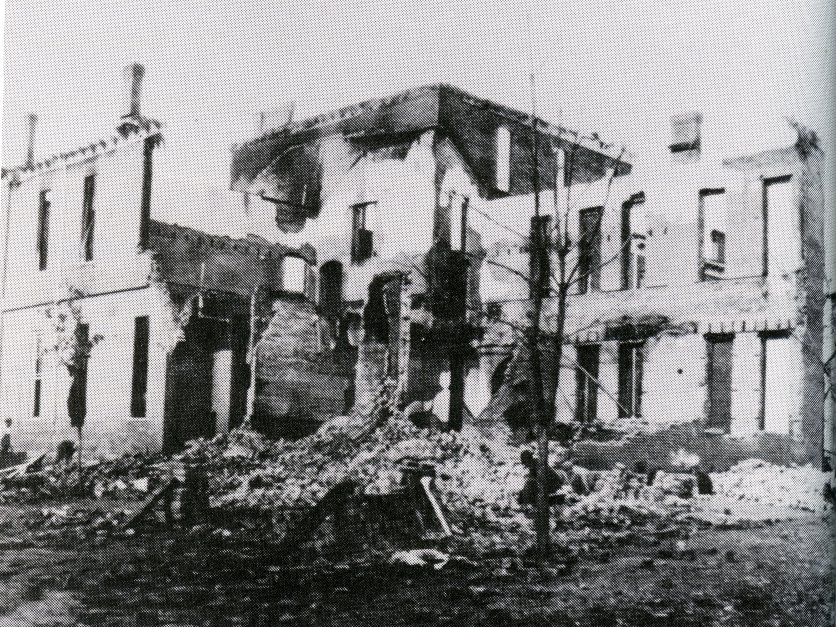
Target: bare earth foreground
766, 573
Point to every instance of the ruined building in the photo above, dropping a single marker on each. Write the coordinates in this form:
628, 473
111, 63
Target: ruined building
393, 245
137, 328
697, 317
696, 320
382, 192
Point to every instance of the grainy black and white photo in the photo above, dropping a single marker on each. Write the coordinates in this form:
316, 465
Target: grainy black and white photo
507, 313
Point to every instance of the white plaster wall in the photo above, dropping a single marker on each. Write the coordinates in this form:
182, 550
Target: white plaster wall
117, 199
109, 428
674, 372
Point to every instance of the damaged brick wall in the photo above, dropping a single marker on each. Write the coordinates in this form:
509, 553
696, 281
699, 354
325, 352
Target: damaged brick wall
301, 380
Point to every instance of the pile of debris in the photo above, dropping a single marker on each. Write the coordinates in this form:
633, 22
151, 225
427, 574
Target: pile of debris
756, 481
621, 498
129, 477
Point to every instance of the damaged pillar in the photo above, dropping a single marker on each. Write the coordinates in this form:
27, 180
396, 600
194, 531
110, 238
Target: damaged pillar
221, 389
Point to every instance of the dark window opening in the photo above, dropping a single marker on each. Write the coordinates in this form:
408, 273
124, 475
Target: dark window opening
589, 250
498, 376
626, 246
641, 270
711, 224
43, 229
362, 241
719, 381
493, 311
36, 409
145, 203
77, 398
88, 218
586, 379
139, 384
331, 290
718, 246
630, 367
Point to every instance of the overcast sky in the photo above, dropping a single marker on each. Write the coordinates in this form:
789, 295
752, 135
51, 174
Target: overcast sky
620, 68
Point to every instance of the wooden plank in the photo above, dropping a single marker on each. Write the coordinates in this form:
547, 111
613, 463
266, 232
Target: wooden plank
149, 503
315, 516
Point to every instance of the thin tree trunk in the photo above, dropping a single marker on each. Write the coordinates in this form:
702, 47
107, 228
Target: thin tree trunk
80, 443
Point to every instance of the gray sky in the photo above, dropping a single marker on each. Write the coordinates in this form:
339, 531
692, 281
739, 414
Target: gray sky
620, 68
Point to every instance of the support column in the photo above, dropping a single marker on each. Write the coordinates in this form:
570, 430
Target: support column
221, 389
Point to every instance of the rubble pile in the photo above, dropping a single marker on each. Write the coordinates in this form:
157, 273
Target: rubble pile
622, 498
298, 474
129, 477
772, 486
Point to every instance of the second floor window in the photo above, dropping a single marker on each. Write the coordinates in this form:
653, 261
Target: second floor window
43, 229
362, 243
782, 228
88, 218
712, 223
589, 250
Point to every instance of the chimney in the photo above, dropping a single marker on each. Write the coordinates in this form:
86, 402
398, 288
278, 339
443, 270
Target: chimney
266, 121
30, 146
133, 75
686, 137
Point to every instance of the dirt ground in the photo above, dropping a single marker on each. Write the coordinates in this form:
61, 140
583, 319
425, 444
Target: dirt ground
769, 573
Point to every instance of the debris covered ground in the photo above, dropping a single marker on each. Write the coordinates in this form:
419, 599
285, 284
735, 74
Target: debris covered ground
757, 551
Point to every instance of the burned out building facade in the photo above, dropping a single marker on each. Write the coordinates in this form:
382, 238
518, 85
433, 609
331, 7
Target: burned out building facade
696, 319
698, 310
381, 191
138, 328
391, 241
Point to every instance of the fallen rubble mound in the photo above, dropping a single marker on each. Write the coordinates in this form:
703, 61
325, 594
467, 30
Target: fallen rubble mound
768, 485
129, 477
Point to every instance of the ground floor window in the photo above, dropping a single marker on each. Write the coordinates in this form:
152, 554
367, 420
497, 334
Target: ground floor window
586, 379
630, 365
719, 378
139, 386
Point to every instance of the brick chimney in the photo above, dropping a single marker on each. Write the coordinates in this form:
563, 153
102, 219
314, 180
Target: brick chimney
30, 145
266, 121
686, 137
132, 98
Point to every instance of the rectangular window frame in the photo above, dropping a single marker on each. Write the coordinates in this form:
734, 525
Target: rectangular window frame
88, 218
502, 178
765, 336
361, 237
38, 382
139, 377
145, 201
586, 387
630, 379
766, 182
589, 251
44, 208
706, 268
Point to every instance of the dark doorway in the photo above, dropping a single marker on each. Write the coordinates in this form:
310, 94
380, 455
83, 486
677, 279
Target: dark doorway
719, 381
330, 290
586, 377
188, 408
